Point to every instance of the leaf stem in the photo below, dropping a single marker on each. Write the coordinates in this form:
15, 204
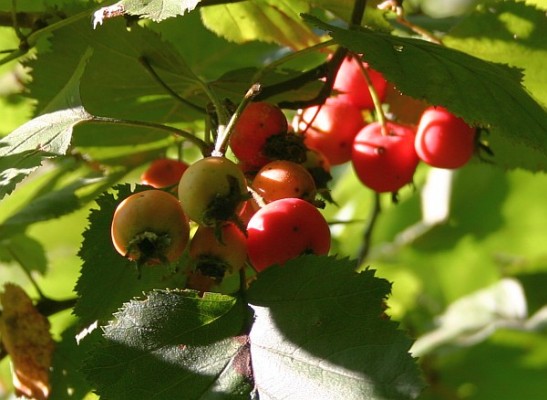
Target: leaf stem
291, 56
375, 98
19, 261
202, 145
367, 233
15, 22
398, 10
224, 134
146, 64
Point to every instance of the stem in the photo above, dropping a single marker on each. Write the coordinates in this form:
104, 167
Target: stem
367, 234
398, 10
226, 131
15, 22
16, 257
358, 12
291, 56
34, 36
146, 63
221, 114
375, 99
204, 147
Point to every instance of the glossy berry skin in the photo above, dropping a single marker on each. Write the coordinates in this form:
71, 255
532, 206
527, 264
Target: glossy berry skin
353, 87
258, 122
332, 130
385, 163
444, 140
285, 229
150, 227
163, 172
281, 179
212, 190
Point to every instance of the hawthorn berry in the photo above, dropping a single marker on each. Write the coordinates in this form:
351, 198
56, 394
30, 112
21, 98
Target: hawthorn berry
285, 229
281, 179
352, 85
217, 253
258, 122
150, 227
330, 129
444, 140
163, 172
212, 190
385, 163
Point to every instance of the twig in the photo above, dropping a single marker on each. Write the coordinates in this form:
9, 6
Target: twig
225, 132
367, 234
204, 147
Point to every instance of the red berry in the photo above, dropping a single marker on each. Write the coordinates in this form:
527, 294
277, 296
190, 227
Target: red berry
281, 179
444, 140
385, 163
163, 172
285, 229
353, 87
257, 123
332, 130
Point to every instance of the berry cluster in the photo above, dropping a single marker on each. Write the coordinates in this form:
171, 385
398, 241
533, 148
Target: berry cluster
262, 208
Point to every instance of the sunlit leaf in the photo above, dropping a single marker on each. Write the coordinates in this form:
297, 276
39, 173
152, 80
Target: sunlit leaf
46, 136
507, 32
319, 329
265, 20
158, 10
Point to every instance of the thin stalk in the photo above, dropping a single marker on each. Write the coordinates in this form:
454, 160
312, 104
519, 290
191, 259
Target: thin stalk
291, 56
369, 228
224, 134
375, 99
358, 12
15, 22
146, 64
204, 147
19, 261
35, 36
398, 10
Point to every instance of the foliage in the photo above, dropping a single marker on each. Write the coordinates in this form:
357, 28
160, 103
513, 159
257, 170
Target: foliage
433, 293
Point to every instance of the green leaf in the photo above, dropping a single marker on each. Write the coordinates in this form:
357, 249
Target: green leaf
24, 250
174, 344
483, 93
46, 136
158, 10
319, 330
107, 279
115, 82
272, 21
507, 32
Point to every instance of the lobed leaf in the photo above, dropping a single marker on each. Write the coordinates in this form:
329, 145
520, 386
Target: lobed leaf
174, 344
483, 93
319, 329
